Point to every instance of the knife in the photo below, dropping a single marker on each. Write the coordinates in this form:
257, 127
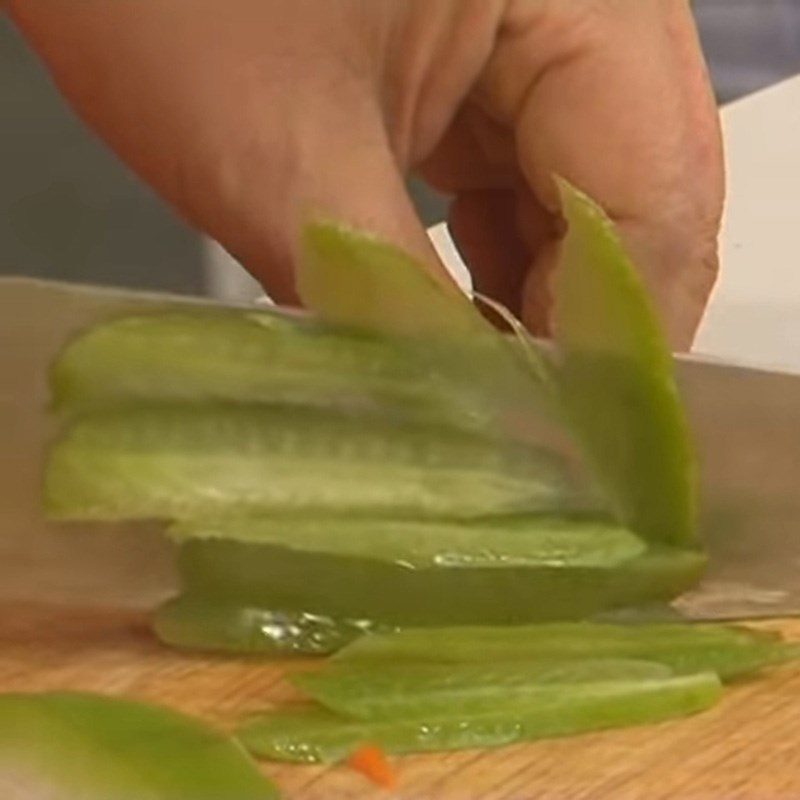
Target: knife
746, 424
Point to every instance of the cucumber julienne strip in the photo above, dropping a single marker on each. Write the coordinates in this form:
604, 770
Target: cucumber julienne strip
203, 355
269, 577
423, 544
727, 650
616, 380
349, 278
200, 623
410, 691
177, 461
313, 735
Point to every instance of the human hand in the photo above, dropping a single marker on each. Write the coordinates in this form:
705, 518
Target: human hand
245, 115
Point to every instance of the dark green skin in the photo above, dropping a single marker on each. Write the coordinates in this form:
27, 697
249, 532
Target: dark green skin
229, 583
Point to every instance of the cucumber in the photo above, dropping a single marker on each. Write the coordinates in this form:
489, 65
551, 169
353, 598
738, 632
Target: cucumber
616, 382
197, 623
249, 356
727, 650
499, 542
75, 745
380, 691
313, 735
178, 461
352, 279
346, 587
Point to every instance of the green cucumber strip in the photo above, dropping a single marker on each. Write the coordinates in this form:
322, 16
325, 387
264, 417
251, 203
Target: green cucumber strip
352, 279
197, 623
72, 745
179, 461
501, 542
268, 577
315, 735
728, 650
247, 356
410, 691
616, 380
355, 280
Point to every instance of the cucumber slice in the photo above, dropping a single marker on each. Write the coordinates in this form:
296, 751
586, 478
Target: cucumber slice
616, 380
314, 735
410, 691
189, 461
197, 623
423, 544
268, 577
355, 280
729, 651
72, 745
255, 356
351, 279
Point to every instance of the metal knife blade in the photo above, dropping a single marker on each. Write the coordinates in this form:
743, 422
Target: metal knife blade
746, 423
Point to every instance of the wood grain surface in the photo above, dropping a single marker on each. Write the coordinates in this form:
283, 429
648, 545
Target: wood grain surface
746, 748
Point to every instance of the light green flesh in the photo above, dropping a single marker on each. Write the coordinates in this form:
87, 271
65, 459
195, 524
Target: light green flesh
190, 461
616, 380
353, 280
248, 356
315, 735
410, 691
500, 542
71, 746
727, 650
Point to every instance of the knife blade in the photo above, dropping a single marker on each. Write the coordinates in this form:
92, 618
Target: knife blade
746, 424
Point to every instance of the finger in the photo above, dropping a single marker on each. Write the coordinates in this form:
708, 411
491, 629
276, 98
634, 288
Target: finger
201, 117
614, 96
484, 226
474, 153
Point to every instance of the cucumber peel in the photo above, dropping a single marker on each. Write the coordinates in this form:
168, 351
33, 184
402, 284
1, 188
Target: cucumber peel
314, 735
616, 379
408, 691
270, 577
732, 652
522, 541
355, 281
69, 745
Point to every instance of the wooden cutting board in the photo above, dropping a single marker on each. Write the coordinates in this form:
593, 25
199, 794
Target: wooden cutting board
747, 747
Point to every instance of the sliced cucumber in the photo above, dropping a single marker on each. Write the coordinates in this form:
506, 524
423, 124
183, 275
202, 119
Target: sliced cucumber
197, 623
530, 541
269, 577
256, 356
355, 280
73, 745
410, 691
729, 651
616, 380
351, 279
313, 735
189, 461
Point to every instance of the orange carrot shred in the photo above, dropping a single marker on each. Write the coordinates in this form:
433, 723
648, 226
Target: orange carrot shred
372, 762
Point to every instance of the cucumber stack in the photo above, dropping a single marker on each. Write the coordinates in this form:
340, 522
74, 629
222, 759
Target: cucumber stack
391, 460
